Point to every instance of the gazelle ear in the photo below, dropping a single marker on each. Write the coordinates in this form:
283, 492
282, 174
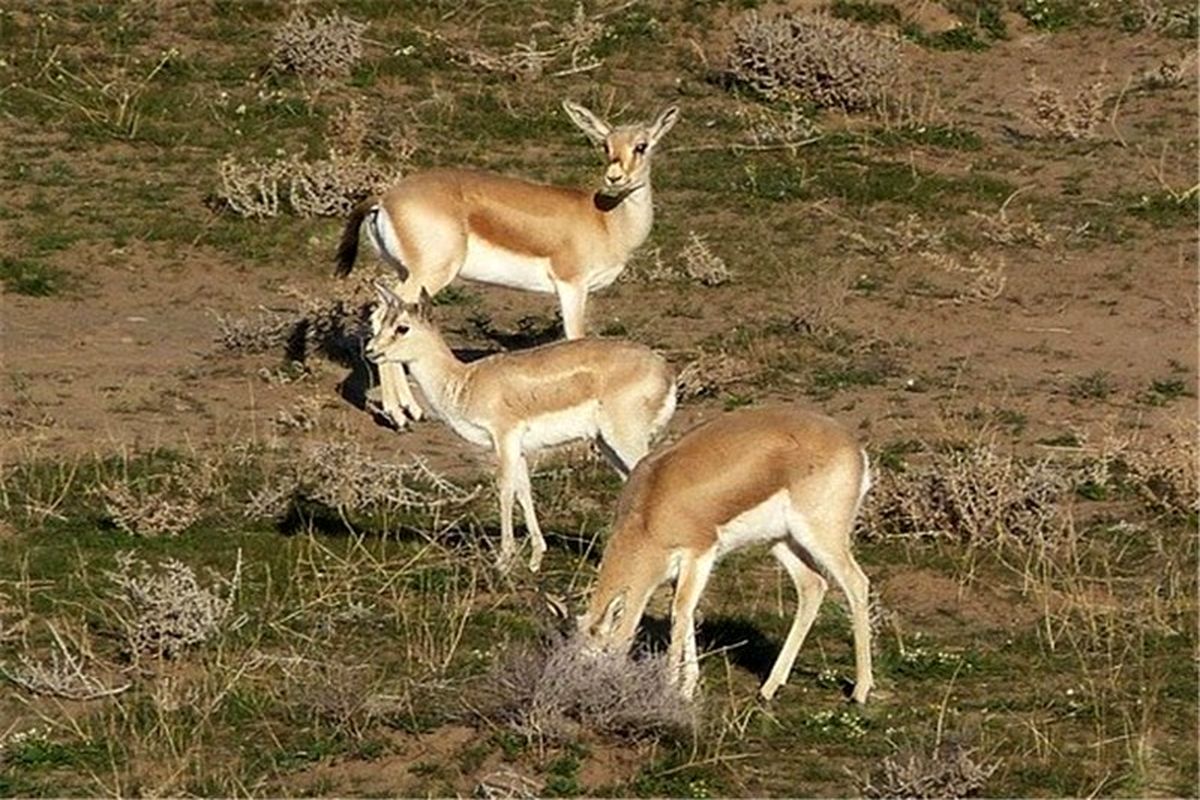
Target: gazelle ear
424, 305
665, 121
596, 129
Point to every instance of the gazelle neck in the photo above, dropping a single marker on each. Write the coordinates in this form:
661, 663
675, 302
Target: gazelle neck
630, 216
438, 372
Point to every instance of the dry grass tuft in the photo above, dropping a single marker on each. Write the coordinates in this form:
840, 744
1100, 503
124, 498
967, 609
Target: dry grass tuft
321, 49
556, 689
950, 771
708, 374
323, 188
160, 505
341, 476
812, 58
701, 264
974, 494
570, 50
64, 676
985, 276
166, 610
1059, 115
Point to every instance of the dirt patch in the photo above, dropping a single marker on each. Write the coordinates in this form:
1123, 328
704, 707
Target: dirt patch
923, 597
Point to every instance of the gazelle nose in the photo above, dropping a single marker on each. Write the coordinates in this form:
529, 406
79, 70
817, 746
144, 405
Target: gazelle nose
614, 174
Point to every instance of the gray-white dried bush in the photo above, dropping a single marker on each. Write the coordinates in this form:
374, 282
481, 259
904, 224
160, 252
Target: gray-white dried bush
165, 504
709, 373
260, 332
766, 128
701, 264
975, 494
813, 58
1068, 115
555, 689
164, 610
321, 48
63, 676
570, 50
984, 276
342, 476
949, 771
326, 187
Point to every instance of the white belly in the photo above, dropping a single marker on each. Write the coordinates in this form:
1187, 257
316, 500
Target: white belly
487, 263
560, 427
765, 522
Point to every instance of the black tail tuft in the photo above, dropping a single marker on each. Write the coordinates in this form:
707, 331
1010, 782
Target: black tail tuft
347, 250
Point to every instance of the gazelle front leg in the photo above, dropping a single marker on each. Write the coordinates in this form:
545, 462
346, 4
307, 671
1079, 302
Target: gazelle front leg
573, 299
396, 395
683, 662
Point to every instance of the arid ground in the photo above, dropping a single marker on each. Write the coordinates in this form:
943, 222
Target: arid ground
221, 574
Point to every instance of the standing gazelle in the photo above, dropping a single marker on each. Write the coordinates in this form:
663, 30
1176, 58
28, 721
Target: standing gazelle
780, 476
441, 224
518, 403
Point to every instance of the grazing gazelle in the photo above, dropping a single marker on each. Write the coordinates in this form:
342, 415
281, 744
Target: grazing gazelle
441, 224
781, 476
518, 403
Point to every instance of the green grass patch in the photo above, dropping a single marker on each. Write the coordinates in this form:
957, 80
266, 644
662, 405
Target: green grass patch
34, 278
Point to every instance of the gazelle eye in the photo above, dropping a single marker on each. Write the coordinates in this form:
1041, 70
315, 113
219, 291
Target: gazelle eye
640, 148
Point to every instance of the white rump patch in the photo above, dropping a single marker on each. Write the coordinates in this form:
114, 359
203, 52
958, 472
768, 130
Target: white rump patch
383, 238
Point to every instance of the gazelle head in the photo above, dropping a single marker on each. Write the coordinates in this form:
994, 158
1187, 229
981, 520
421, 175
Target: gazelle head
397, 328
627, 148
600, 626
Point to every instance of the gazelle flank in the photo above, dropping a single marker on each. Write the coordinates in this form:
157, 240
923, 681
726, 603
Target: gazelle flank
618, 393
778, 476
441, 224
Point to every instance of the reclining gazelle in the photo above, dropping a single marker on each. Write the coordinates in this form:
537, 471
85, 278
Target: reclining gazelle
780, 476
440, 224
618, 392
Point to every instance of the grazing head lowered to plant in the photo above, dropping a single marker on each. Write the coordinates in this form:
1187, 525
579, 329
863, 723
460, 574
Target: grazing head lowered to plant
779, 475
615, 392
441, 224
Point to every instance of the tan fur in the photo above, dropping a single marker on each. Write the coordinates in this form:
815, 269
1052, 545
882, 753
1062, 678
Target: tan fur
618, 392
680, 500
441, 224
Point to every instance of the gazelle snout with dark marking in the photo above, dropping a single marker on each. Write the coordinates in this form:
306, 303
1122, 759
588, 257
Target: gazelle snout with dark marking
780, 476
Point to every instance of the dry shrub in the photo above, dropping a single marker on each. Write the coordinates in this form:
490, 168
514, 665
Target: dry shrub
1163, 473
911, 234
160, 505
1059, 115
322, 49
263, 331
950, 771
63, 676
1001, 229
701, 264
813, 58
974, 494
570, 50
166, 610
322, 188
710, 373
555, 689
789, 129
985, 276
341, 476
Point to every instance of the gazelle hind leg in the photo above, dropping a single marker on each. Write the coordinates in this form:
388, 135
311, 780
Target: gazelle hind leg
829, 545
520, 472
682, 659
